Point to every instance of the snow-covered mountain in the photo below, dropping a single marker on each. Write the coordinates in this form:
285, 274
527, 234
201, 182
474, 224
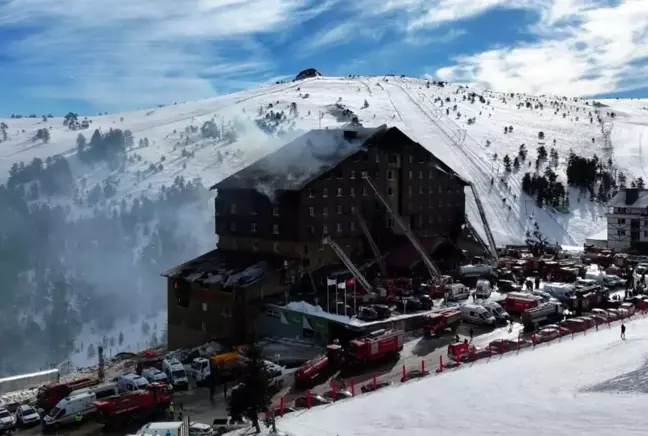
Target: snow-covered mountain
471, 130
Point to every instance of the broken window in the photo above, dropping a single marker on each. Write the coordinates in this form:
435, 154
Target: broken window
233, 208
338, 227
390, 191
311, 193
233, 226
275, 229
311, 211
325, 193
390, 175
253, 227
275, 211
339, 192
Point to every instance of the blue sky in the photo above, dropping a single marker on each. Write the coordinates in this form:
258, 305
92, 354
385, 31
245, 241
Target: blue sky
113, 55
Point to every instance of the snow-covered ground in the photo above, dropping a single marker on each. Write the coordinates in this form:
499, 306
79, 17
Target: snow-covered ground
474, 150
594, 384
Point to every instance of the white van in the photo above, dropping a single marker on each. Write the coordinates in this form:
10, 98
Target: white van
154, 375
457, 291
176, 373
66, 410
200, 370
561, 291
483, 289
161, 428
497, 311
476, 314
131, 382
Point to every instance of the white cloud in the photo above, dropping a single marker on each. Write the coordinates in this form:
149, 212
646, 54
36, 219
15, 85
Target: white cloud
585, 47
123, 53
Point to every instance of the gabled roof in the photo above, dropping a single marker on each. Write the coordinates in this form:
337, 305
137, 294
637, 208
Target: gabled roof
294, 165
623, 198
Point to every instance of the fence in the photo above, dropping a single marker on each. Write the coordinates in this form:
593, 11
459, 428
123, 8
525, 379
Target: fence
503, 347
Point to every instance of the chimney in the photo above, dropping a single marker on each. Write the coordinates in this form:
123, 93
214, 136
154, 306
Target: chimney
631, 195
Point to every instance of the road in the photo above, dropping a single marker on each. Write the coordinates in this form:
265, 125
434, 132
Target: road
195, 402
415, 350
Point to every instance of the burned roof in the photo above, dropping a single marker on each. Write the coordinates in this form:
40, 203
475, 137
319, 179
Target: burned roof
227, 268
295, 164
630, 197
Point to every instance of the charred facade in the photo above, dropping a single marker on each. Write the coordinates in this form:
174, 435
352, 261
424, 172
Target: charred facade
281, 207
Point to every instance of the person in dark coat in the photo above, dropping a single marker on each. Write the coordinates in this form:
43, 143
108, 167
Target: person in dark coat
471, 332
623, 329
212, 387
224, 389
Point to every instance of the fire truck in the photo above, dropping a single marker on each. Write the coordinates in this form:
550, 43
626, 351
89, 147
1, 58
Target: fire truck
376, 346
436, 323
49, 395
126, 408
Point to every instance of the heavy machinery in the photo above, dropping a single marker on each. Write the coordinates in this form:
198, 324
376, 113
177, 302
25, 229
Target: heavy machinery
438, 322
376, 346
433, 270
129, 407
49, 395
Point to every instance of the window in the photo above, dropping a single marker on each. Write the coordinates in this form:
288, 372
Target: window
338, 174
338, 227
233, 226
621, 220
325, 231
621, 232
390, 175
352, 176
430, 174
390, 191
275, 247
311, 193
409, 191
254, 210
393, 159
420, 174
377, 158
275, 229
325, 211
226, 311
272, 313
420, 189
376, 174
203, 326
364, 174
429, 189
353, 226
409, 158
311, 211
339, 192
311, 230
275, 211
421, 158
339, 210
204, 307
253, 227
353, 209
320, 246
364, 192
352, 192
645, 234
255, 245
305, 249
325, 193
233, 208
409, 174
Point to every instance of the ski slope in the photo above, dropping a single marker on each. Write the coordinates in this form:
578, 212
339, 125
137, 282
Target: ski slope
474, 150
594, 384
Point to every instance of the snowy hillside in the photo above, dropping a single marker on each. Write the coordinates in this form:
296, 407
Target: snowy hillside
591, 384
470, 138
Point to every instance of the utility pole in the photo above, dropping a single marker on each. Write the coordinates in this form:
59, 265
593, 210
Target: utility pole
101, 369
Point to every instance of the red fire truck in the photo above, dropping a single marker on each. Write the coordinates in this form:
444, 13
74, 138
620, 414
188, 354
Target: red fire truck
436, 323
376, 346
132, 406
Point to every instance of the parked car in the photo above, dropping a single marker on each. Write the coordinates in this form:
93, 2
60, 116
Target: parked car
315, 400
505, 286
27, 416
7, 420
342, 394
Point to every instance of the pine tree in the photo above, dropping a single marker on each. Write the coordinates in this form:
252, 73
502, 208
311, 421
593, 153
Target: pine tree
516, 163
253, 395
507, 163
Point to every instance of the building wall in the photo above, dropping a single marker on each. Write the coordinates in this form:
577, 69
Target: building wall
216, 315
276, 321
627, 226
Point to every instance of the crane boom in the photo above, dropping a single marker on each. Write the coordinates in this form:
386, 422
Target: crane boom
347, 262
487, 229
372, 243
433, 270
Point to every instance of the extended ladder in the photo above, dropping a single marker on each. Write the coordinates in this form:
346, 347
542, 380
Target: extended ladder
347, 262
487, 229
433, 270
372, 243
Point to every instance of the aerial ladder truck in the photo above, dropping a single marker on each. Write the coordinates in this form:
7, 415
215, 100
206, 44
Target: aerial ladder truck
431, 267
372, 243
347, 262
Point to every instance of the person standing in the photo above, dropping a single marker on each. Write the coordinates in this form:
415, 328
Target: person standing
225, 389
471, 332
212, 388
623, 330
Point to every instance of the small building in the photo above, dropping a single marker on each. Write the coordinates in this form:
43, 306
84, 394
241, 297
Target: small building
217, 296
627, 220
